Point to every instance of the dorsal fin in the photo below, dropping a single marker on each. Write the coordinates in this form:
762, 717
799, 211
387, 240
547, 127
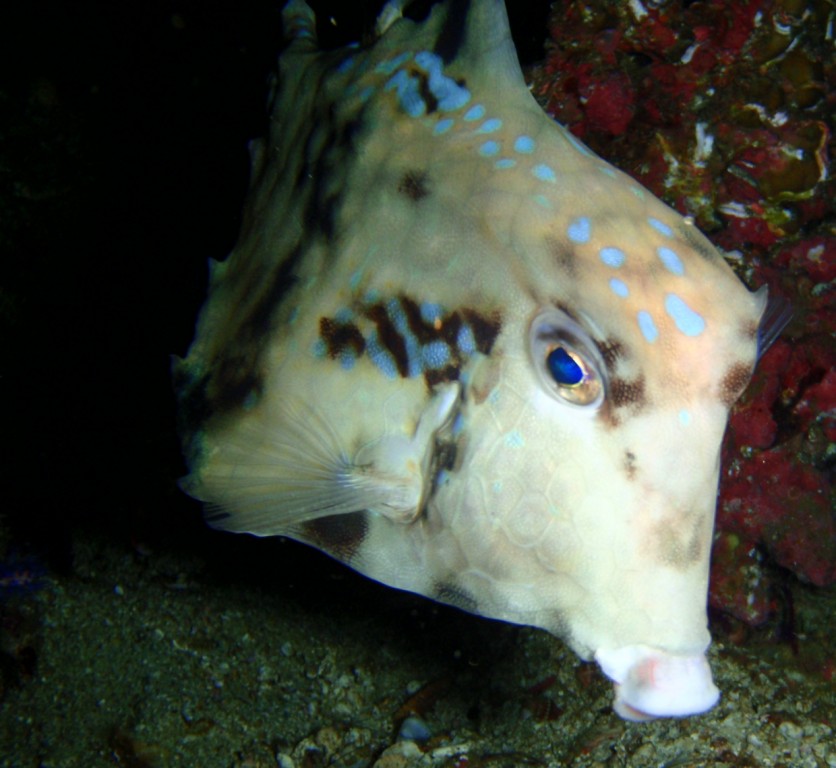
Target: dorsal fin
470, 35
475, 35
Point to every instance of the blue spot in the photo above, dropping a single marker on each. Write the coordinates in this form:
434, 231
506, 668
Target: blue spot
543, 202
544, 173
490, 126
671, 260
689, 322
413, 349
607, 171
396, 81
465, 341
355, 278
430, 312
684, 417
505, 162
612, 257
524, 145
428, 61
436, 354
647, 326
476, 112
366, 93
563, 367
619, 287
372, 296
345, 65
347, 360
319, 348
381, 357
514, 439
489, 149
387, 67
442, 126
409, 95
293, 315
660, 226
343, 315
458, 425
396, 313
579, 230
450, 95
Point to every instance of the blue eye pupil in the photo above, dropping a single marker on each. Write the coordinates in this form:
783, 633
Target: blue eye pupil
563, 368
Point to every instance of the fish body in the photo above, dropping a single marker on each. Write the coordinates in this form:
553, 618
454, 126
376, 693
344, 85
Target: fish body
466, 356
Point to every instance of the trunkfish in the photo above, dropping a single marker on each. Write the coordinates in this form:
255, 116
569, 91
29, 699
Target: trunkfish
464, 355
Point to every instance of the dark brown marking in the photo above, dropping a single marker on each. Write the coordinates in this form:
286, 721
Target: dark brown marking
567, 311
339, 337
485, 329
450, 593
678, 549
734, 382
339, 535
697, 241
563, 254
390, 338
427, 96
630, 464
435, 376
414, 185
611, 350
423, 331
450, 328
235, 372
624, 393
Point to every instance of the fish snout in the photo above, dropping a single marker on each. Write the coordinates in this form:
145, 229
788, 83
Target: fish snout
651, 683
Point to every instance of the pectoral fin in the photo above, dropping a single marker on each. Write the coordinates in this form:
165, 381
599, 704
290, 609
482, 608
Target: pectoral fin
266, 479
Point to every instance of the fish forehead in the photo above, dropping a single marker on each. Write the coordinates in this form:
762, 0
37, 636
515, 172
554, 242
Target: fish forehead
466, 156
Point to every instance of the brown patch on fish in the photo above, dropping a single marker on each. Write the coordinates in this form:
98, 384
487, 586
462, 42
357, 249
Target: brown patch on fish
623, 393
341, 337
680, 548
734, 382
611, 350
485, 328
563, 254
414, 185
630, 465
339, 535
449, 592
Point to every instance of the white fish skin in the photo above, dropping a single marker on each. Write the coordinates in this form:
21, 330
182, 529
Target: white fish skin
464, 355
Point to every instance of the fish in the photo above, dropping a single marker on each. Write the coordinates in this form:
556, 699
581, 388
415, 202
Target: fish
459, 352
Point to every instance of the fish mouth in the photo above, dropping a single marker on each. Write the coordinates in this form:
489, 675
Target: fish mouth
651, 683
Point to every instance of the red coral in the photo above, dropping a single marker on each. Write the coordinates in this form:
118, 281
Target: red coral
610, 103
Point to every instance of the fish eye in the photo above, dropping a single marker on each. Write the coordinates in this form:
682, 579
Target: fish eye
567, 360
